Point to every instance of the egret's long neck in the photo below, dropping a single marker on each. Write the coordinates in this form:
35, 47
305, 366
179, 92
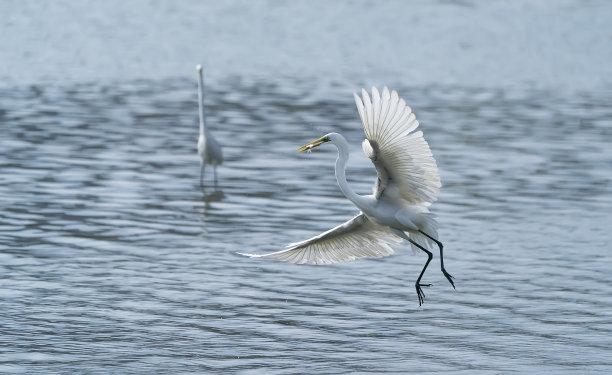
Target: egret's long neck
201, 104
343, 156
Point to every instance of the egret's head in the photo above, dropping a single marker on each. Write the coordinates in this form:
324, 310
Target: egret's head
199, 68
315, 143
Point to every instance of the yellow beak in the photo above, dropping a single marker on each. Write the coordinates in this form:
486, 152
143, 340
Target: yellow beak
311, 145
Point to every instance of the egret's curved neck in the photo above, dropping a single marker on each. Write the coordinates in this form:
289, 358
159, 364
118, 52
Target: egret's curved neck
201, 104
343, 156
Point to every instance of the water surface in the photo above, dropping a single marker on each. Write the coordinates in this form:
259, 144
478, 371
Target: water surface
112, 259
115, 260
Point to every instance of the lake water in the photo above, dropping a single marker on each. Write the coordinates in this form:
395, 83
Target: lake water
113, 260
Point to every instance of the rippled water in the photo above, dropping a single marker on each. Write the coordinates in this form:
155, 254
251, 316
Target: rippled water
114, 260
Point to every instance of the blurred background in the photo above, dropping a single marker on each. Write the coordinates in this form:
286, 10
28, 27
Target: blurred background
113, 259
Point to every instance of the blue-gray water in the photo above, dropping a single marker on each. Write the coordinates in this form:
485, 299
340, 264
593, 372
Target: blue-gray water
113, 260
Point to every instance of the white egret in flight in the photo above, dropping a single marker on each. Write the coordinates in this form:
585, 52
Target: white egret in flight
208, 148
408, 182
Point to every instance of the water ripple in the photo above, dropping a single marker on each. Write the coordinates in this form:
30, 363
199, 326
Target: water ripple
114, 260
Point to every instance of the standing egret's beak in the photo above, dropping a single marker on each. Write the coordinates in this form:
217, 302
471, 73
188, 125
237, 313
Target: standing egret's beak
312, 144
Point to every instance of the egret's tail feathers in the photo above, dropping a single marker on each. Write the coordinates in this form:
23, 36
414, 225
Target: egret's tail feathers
431, 228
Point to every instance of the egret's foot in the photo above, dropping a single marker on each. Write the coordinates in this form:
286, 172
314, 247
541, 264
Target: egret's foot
449, 277
420, 293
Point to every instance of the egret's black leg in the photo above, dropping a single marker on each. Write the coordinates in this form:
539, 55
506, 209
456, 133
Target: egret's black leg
448, 276
202, 175
418, 284
215, 173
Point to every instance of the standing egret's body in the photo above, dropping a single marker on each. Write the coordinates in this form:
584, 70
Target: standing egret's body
408, 182
208, 148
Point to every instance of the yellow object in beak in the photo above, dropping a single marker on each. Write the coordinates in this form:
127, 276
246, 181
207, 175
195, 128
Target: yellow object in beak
311, 145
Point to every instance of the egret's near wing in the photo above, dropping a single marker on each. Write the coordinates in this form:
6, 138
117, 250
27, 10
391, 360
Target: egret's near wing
357, 238
400, 155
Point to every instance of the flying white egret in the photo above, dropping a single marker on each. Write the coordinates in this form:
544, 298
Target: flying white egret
408, 182
208, 148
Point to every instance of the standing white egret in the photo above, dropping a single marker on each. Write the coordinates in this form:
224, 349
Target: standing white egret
208, 148
408, 182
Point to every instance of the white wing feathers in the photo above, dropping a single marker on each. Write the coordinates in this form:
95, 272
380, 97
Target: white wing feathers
400, 156
357, 238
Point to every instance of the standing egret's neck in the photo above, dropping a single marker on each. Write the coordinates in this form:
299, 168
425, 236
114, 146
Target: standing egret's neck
343, 156
203, 131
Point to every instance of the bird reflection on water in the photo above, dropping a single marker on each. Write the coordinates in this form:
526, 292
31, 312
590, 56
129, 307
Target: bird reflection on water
215, 195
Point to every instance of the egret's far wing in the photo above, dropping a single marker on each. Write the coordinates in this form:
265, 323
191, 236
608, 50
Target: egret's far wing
400, 155
357, 238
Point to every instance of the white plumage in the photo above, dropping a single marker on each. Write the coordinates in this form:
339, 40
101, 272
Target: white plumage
408, 182
406, 157
357, 238
208, 148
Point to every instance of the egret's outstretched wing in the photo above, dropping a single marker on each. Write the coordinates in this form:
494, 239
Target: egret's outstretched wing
357, 238
400, 155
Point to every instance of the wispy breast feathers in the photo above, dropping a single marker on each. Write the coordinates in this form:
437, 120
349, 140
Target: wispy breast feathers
398, 153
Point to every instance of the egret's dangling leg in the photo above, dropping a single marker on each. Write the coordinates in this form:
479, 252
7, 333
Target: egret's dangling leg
418, 284
202, 167
448, 276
